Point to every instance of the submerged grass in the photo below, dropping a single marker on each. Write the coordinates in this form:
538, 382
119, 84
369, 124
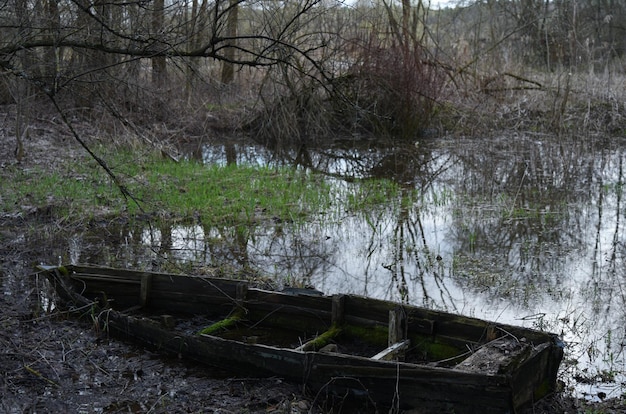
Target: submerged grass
229, 194
185, 190
372, 192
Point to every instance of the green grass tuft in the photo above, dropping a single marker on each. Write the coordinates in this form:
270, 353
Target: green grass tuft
189, 191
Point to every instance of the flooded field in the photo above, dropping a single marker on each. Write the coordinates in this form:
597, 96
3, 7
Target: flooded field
523, 229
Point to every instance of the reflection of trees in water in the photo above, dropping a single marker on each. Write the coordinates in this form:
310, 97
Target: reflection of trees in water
126, 243
410, 260
606, 287
529, 206
522, 191
271, 249
403, 163
522, 207
295, 256
414, 273
415, 268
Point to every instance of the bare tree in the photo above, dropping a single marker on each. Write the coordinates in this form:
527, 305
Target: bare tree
111, 34
228, 67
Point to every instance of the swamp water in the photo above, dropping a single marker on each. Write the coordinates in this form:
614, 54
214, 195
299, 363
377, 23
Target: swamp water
525, 230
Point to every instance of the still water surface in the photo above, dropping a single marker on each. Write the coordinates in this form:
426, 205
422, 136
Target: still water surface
521, 229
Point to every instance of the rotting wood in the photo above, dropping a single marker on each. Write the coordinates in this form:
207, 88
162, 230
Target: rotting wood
242, 291
521, 380
221, 325
338, 310
496, 357
320, 340
397, 325
396, 337
106, 278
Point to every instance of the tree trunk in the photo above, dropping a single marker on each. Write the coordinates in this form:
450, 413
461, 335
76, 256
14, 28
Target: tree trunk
228, 68
159, 68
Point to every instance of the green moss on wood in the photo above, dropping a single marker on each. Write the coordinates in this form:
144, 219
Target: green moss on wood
376, 335
430, 347
220, 326
322, 340
435, 350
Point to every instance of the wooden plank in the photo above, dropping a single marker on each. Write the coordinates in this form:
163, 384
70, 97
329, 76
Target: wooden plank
536, 376
345, 365
496, 357
420, 325
122, 296
446, 324
421, 390
310, 314
397, 325
259, 297
242, 292
302, 323
161, 281
146, 282
337, 313
392, 351
190, 307
109, 279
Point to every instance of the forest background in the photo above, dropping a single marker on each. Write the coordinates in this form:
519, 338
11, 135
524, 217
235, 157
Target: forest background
302, 71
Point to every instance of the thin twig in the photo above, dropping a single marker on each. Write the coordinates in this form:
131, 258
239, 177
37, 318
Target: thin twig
40, 375
123, 189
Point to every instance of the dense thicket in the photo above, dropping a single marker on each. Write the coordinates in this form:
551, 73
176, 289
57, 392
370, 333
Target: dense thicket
296, 69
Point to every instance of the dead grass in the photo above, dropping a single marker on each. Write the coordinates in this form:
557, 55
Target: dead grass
564, 103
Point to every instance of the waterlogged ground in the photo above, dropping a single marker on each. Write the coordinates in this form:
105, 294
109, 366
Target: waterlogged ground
522, 229
52, 363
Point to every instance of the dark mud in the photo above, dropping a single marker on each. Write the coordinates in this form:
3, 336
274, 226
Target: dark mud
51, 363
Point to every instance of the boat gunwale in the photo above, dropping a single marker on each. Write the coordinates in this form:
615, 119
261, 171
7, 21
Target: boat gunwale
469, 320
408, 371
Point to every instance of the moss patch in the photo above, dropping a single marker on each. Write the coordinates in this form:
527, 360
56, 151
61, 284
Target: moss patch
322, 340
376, 335
220, 326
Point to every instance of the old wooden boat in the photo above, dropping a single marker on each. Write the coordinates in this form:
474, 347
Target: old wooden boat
337, 346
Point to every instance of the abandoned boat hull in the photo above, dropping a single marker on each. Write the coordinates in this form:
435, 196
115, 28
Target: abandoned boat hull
382, 352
